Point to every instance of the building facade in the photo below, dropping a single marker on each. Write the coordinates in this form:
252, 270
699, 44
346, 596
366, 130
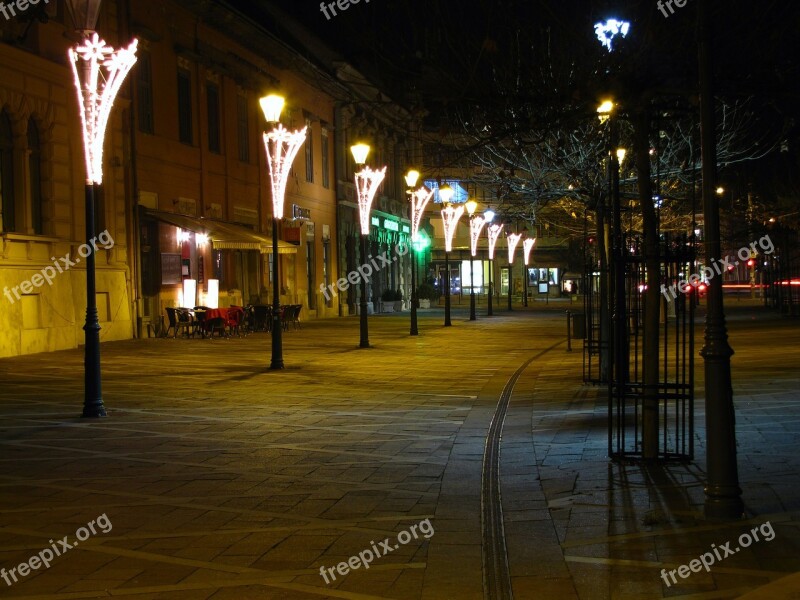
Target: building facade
186, 203
42, 177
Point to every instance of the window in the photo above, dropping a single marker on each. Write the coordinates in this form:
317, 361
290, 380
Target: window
326, 168
7, 173
144, 91
309, 153
35, 174
185, 106
242, 128
212, 99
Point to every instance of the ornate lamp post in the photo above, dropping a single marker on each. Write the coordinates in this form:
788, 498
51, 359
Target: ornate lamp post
527, 246
99, 72
493, 232
367, 183
450, 216
419, 198
512, 239
281, 146
476, 223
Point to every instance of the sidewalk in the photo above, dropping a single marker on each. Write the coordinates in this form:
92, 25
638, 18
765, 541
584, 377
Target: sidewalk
225, 480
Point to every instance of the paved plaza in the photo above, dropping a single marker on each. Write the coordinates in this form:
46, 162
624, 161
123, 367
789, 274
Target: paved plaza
214, 478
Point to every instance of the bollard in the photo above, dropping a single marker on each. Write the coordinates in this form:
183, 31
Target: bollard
569, 338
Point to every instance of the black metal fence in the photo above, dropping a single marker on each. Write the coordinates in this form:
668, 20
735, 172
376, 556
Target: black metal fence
627, 392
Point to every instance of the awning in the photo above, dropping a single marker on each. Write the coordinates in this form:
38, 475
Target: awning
223, 236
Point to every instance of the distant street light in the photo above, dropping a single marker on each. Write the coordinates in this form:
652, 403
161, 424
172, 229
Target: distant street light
476, 223
419, 199
492, 232
527, 246
512, 239
450, 216
99, 72
367, 183
281, 148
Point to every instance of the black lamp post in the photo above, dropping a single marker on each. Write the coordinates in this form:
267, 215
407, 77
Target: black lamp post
512, 239
492, 232
722, 491
99, 72
367, 183
476, 224
527, 246
450, 216
418, 198
281, 147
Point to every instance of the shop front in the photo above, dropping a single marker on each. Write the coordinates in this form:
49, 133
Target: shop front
188, 261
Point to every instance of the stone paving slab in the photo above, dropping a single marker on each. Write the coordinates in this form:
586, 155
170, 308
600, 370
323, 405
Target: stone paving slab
223, 479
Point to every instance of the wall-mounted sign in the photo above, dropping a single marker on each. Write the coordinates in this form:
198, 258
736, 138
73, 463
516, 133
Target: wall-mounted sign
376, 221
391, 225
300, 213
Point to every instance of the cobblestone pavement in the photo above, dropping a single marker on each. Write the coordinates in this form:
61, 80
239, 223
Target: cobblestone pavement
220, 479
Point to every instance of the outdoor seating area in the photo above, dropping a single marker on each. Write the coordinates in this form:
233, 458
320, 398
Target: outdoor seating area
234, 321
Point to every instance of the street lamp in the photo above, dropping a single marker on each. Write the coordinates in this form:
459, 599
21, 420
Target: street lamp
98, 78
419, 198
281, 147
527, 246
476, 223
450, 216
493, 233
512, 239
367, 183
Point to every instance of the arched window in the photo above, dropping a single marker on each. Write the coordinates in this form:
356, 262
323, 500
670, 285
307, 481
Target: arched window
35, 175
6, 174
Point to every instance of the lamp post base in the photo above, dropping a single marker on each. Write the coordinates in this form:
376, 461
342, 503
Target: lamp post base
413, 330
277, 343
364, 326
93, 396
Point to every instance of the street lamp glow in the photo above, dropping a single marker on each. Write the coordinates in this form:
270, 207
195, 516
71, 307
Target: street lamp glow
489, 215
621, 154
360, 152
367, 183
720, 190
476, 224
606, 32
446, 193
512, 240
419, 200
450, 216
493, 232
282, 147
272, 106
411, 178
471, 206
96, 93
604, 110
527, 246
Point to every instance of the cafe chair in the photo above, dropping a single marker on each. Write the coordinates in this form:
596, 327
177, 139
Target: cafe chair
180, 318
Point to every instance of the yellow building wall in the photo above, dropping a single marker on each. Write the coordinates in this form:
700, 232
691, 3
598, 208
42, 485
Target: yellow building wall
173, 170
36, 83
